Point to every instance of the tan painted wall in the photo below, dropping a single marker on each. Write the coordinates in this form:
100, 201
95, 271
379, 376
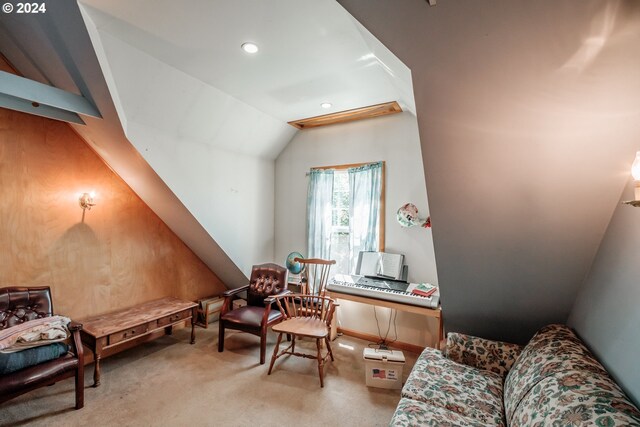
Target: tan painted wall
118, 255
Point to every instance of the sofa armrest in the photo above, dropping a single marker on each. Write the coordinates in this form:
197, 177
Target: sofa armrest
495, 356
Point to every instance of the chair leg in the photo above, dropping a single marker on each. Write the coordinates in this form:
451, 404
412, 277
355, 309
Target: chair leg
293, 344
263, 346
275, 353
320, 362
80, 387
327, 341
221, 336
288, 337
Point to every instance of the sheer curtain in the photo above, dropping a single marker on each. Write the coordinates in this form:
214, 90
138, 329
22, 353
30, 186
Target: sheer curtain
365, 185
319, 210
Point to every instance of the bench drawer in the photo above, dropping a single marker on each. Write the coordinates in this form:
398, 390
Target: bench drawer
135, 331
167, 320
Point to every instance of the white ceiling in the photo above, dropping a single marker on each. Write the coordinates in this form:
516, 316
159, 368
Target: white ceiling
311, 51
211, 119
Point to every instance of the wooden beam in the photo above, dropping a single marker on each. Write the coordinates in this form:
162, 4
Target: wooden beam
348, 115
39, 95
25, 106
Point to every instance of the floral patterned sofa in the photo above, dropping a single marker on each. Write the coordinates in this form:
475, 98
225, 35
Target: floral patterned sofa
553, 381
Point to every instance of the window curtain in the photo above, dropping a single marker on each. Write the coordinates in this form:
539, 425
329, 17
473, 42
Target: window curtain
319, 211
365, 186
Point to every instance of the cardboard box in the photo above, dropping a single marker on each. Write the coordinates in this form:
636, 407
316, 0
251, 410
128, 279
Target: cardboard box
237, 303
383, 368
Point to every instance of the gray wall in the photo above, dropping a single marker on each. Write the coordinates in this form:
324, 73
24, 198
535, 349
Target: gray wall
606, 314
529, 116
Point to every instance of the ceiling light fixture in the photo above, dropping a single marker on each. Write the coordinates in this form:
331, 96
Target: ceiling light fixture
249, 47
326, 105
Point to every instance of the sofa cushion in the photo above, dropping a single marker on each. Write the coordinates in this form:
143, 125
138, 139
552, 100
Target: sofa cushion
553, 350
575, 398
471, 392
410, 413
495, 356
11, 362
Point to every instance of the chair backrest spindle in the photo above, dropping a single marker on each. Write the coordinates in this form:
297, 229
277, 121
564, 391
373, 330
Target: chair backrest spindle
316, 275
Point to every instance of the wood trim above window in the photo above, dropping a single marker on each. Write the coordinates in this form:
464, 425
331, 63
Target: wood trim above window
348, 116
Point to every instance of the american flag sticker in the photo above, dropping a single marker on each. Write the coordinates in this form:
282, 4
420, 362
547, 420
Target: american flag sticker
380, 373
384, 374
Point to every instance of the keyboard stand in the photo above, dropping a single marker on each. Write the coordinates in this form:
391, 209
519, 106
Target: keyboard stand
429, 312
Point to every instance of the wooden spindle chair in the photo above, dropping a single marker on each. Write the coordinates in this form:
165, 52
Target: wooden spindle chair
315, 275
307, 316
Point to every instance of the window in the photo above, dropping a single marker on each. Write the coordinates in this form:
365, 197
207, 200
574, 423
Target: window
345, 210
340, 222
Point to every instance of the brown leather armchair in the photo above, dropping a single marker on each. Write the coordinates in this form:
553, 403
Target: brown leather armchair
256, 317
20, 304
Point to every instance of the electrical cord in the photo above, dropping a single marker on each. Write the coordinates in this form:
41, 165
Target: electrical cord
383, 343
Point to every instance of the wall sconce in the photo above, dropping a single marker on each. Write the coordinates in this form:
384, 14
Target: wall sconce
86, 200
635, 172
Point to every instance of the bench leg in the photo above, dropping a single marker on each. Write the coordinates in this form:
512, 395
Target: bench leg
96, 371
194, 314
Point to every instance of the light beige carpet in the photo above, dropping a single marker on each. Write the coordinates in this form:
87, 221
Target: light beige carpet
169, 382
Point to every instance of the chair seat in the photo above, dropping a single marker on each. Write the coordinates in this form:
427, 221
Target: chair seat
41, 373
303, 326
250, 315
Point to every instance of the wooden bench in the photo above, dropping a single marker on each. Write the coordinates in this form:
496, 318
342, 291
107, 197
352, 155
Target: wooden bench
111, 333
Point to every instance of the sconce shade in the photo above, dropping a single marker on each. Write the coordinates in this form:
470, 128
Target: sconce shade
635, 167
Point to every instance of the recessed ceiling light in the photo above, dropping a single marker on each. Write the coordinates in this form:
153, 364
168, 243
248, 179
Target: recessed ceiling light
249, 47
326, 105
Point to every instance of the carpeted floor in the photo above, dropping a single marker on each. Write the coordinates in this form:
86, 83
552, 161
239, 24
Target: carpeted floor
168, 382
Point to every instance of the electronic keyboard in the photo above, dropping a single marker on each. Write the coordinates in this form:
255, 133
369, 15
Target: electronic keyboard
388, 290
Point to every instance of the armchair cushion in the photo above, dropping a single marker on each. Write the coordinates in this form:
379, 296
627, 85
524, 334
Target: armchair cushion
250, 315
11, 362
494, 356
42, 374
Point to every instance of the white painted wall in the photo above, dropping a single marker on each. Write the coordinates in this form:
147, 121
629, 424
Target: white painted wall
395, 140
215, 153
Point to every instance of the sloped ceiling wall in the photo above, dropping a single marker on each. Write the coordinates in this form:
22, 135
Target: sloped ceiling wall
529, 116
54, 48
213, 151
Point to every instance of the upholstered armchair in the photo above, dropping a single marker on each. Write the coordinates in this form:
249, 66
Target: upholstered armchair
21, 304
256, 317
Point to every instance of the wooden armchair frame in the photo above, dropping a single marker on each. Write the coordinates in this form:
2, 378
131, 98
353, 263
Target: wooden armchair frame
304, 316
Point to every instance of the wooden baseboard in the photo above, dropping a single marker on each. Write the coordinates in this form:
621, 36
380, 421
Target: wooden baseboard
374, 338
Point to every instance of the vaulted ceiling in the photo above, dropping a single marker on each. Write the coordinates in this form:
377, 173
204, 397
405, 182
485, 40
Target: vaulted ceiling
204, 120
529, 116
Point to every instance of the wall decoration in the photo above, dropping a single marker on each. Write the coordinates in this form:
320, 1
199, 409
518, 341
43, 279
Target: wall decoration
407, 216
